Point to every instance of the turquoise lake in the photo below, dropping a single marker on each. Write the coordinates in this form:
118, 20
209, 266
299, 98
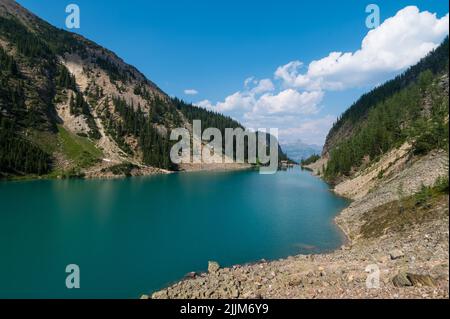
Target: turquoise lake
137, 235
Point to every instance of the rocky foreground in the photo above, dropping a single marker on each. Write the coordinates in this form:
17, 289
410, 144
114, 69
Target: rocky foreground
412, 264
398, 247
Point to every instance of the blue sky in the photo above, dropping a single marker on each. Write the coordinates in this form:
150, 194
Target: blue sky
212, 47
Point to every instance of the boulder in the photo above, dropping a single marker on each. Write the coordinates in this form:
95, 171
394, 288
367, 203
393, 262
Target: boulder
408, 280
396, 254
160, 295
191, 275
213, 267
422, 280
234, 292
401, 280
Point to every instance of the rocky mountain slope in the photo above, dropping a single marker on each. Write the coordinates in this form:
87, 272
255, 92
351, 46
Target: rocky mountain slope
356, 115
71, 107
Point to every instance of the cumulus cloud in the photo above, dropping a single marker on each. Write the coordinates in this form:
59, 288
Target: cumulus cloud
237, 101
190, 92
260, 100
396, 44
206, 104
262, 86
288, 101
297, 91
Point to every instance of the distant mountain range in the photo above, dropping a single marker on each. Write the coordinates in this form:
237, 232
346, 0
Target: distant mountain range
299, 150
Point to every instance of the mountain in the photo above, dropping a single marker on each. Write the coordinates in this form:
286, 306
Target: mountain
411, 109
356, 116
389, 153
69, 107
298, 150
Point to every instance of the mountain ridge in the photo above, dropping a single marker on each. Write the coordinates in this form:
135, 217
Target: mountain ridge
299, 150
436, 61
68, 93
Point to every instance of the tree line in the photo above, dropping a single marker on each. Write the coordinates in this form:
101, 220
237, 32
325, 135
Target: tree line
154, 146
436, 62
417, 113
312, 159
17, 154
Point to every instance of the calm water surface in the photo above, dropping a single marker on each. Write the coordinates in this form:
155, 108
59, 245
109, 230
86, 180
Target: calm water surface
137, 235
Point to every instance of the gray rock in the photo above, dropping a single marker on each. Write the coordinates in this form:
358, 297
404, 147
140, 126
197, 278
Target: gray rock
401, 280
160, 295
213, 267
234, 291
191, 275
409, 280
396, 254
421, 280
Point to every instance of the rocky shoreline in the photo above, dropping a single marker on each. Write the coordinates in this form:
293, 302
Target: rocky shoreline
390, 253
107, 172
132, 171
341, 274
219, 167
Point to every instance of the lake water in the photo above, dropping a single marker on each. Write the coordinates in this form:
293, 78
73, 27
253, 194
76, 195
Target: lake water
137, 235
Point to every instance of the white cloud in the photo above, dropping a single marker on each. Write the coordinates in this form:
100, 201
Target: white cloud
260, 101
206, 104
237, 101
265, 85
396, 44
190, 92
242, 100
290, 75
298, 90
314, 130
288, 101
